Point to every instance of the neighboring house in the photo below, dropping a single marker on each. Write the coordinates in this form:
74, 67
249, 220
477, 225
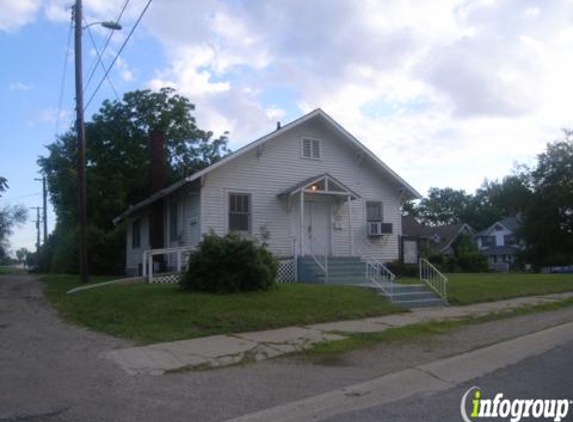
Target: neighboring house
309, 188
500, 243
434, 239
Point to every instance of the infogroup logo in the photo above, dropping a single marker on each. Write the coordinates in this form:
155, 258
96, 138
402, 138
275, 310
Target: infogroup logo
474, 407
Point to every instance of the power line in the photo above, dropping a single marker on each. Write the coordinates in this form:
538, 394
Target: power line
93, 69
63, 81
119, 52
99, 59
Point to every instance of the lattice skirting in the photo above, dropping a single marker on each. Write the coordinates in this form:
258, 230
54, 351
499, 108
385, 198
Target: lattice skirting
166, 278
286, 274
286, 271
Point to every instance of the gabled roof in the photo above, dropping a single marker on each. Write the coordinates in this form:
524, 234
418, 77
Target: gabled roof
316, 179
444, 234
510, 223
408, 190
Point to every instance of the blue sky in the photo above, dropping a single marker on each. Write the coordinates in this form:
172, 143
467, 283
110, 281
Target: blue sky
447, 92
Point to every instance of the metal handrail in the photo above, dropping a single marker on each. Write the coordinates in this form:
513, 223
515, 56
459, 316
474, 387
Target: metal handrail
380, 276
433, 278
323, 265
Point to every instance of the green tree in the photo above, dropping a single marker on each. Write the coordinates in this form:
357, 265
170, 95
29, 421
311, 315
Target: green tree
411, 208
118, 161
496, 199
444, 206
10, 217
548, 225
21, 254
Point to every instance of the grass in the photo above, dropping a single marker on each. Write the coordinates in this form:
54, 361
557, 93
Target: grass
148, 313
12, 270
330, 351
464, 289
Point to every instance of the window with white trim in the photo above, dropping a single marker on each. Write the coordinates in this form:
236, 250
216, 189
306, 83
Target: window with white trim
239, 212
311, 149
374, 211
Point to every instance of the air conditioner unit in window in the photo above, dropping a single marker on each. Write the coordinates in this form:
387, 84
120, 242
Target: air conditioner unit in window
376, 228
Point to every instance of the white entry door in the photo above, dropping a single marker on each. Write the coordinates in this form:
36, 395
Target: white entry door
316, 227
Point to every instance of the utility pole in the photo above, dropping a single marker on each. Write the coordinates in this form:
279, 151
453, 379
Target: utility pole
37, 227
45, 209
81, 130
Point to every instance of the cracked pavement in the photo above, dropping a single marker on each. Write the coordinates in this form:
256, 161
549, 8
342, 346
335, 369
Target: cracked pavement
52, 371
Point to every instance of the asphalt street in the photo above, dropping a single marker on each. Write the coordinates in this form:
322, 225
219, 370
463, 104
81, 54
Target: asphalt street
54, 371
548, 376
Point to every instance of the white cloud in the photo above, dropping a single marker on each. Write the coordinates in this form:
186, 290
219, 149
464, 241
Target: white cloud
429, 85
17, 13
20, 86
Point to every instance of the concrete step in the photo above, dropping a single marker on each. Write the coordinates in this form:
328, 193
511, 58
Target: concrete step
400, 297
407, 288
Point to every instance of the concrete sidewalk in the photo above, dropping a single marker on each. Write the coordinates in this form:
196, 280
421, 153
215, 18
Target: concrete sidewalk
224, 350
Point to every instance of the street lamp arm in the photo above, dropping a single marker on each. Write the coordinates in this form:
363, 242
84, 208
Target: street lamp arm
114, 26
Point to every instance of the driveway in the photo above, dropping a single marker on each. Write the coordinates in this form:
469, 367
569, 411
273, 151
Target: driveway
51, 371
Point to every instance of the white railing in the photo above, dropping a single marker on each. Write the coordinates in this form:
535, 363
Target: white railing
378, 274
433, 278
181, 253
319, 253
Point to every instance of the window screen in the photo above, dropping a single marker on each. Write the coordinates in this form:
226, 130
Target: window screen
373, 211
239, 212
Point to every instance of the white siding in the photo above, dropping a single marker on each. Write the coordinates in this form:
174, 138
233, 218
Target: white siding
277, 166
134, 257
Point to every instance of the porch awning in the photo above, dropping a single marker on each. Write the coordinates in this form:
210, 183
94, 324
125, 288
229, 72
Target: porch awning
324, 184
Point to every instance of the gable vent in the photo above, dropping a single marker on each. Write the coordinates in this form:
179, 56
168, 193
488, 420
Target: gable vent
311, 148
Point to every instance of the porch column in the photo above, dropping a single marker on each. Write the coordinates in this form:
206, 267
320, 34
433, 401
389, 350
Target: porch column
301, 243
351, 237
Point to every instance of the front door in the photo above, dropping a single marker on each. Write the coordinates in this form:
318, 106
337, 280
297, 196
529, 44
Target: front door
316, 227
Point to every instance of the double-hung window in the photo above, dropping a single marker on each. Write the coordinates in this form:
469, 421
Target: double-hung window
240, 212
374, 212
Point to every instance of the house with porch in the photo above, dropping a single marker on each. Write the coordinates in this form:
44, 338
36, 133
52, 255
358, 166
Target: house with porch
501, 244
324, 203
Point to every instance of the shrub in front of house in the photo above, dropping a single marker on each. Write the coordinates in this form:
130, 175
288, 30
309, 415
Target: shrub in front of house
229, 264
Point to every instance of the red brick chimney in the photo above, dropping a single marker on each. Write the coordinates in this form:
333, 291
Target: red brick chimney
158, 169
157, 181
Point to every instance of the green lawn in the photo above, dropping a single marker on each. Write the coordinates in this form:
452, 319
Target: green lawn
148, 313
464, 289
12, 270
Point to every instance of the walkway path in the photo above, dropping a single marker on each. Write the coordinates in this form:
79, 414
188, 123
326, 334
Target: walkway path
224, 350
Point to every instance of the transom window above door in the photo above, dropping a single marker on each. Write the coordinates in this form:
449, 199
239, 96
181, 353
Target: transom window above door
310, 149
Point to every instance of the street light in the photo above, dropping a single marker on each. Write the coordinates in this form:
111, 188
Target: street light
114, 26
82, 214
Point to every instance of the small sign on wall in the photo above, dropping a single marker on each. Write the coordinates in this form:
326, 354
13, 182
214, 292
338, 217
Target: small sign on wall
337, 222
410, 251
